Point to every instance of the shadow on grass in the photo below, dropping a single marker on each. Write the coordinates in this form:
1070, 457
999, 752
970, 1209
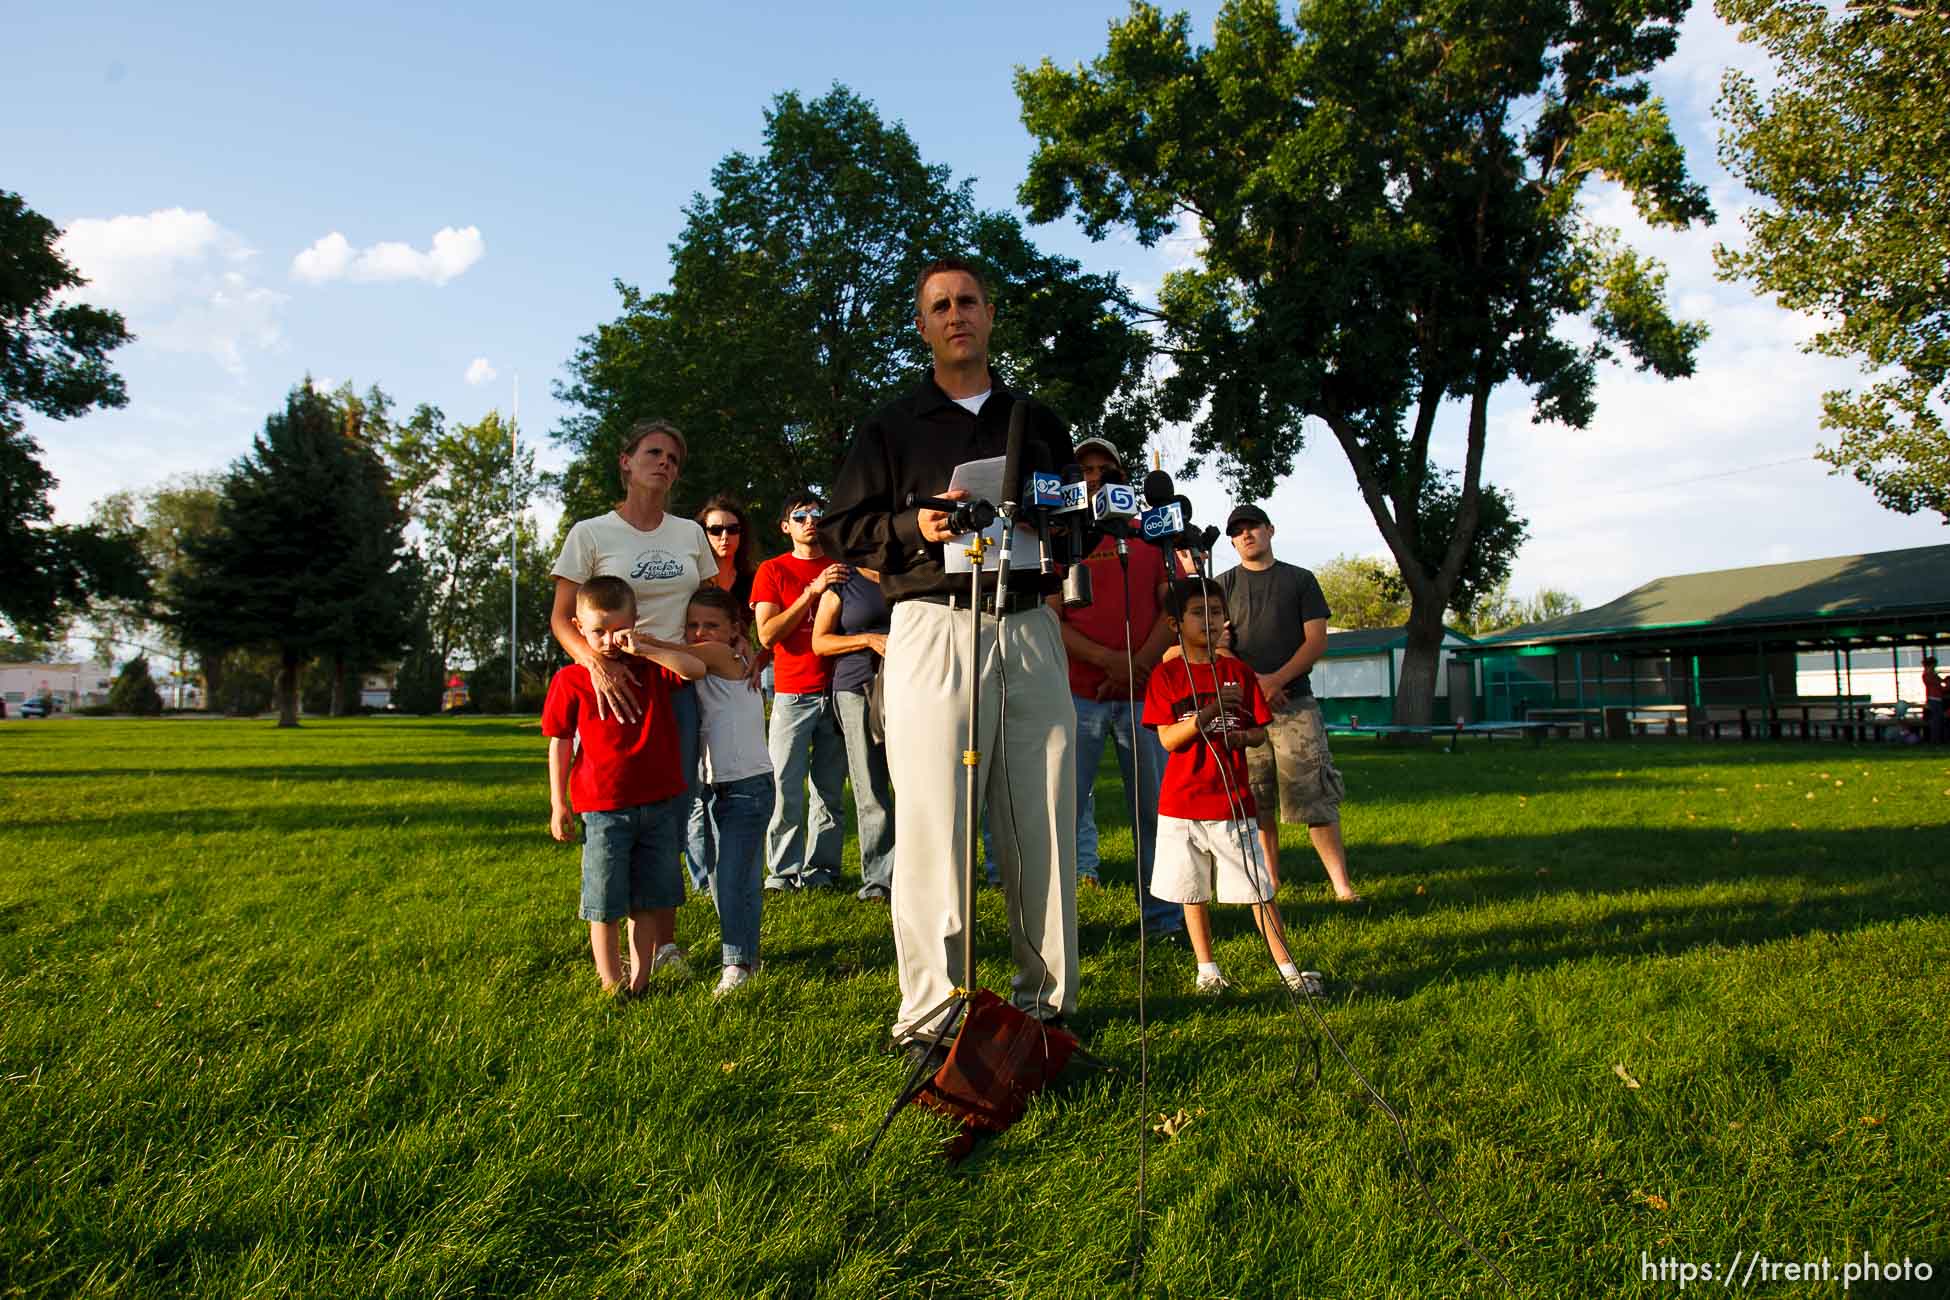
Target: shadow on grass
1807, 882
486, 819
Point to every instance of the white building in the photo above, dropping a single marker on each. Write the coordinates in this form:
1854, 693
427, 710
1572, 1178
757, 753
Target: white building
70, 686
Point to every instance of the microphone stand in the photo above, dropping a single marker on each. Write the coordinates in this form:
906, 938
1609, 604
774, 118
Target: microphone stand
959, 1017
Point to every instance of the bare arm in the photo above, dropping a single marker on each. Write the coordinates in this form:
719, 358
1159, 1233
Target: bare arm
827, 640
720, 660
775, 623
615, 693
561, 753
679, 661
1183, 734
1311, 648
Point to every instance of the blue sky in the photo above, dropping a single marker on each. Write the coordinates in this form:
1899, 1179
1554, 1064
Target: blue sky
402, 196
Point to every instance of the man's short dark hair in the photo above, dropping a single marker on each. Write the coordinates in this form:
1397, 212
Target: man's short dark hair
941, 266
607, 594
1183, 591
796, 500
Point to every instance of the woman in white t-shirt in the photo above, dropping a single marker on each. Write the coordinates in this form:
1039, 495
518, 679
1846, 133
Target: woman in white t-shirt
664, 557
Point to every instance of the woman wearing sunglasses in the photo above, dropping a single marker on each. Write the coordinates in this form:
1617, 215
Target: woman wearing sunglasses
729, 531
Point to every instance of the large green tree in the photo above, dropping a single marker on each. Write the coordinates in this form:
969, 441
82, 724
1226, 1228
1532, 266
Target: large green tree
162, 520
463, 485
1388, 197
1363, 592
791, 306
307, 553
53, 360
1851, 153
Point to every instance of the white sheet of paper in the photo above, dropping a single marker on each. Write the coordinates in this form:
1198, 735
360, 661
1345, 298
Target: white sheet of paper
982, 479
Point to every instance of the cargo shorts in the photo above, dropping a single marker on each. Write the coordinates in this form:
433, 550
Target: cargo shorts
1294, 770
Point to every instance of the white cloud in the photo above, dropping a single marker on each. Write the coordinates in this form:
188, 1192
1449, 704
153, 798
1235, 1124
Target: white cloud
181, 279
333, 257
479, 371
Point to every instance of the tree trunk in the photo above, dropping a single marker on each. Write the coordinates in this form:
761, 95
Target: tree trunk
339, 709
288, 689
1415, 689
212, 662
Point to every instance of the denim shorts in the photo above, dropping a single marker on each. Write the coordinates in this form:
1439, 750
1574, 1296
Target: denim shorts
629, 860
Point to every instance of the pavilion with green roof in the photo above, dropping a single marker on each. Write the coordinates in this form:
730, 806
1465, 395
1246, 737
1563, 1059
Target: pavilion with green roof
1730, 642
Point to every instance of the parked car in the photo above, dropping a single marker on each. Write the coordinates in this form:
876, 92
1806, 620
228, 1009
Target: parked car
35, 708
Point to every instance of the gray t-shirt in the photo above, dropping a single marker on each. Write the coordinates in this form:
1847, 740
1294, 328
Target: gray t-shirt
1269, 609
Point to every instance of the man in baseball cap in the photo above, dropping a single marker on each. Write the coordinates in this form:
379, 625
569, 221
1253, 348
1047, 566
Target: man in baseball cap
1107, 673
1279, 626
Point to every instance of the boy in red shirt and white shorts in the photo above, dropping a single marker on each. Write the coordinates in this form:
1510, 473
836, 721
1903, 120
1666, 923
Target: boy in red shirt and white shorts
1208, 711
624, 778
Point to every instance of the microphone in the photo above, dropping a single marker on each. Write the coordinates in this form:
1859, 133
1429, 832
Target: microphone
1113, 503
1112, 508
1011, 500
1158, 488
1012, 465
1161, 525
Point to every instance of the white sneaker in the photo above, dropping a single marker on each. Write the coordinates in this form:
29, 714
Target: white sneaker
1212, 985
670, 958
733, 977
1310, 982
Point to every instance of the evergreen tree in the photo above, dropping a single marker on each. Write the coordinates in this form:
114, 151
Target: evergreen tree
134, 690
306, 557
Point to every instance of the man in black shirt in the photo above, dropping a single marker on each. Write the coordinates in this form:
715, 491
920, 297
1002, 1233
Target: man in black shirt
1279, 627
912, 445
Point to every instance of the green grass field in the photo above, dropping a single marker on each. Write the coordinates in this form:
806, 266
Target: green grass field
310, 1013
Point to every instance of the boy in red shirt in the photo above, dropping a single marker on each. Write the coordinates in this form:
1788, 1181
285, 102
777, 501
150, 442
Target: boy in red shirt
805, 737
625, 779
1208, 711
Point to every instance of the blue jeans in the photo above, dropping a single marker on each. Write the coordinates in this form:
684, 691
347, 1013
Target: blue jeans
697, 854
1143, 772
629, 861
873, 796
738, 810
805, 742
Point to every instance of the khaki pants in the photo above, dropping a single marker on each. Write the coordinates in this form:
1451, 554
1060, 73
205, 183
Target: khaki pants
1030, 792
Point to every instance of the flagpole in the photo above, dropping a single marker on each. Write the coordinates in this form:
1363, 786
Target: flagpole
514, 541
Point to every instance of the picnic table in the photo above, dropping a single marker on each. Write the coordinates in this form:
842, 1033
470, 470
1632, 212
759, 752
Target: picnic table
1454, 730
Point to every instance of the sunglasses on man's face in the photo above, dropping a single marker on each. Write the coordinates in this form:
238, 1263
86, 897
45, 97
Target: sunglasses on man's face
724, 530
805, 516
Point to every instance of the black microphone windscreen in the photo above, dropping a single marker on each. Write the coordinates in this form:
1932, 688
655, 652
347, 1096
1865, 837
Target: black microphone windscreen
1184, 507
1157, 488
1012, 455
1073, 473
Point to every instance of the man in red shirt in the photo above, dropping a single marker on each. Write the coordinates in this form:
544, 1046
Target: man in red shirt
805, 739
1110, 658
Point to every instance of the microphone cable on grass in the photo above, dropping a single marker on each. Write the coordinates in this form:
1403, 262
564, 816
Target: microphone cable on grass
1305, 995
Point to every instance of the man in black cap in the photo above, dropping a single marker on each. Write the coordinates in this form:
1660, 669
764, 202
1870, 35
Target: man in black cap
1279, 627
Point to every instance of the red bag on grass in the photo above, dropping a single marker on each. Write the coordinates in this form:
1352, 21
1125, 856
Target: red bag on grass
1000, 1059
